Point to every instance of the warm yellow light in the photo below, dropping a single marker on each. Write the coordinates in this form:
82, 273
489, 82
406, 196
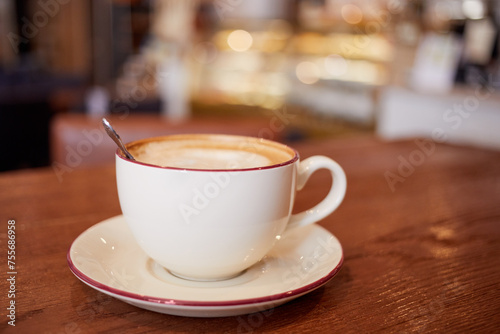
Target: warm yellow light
352, 14
307, 72
240, 40
335, 65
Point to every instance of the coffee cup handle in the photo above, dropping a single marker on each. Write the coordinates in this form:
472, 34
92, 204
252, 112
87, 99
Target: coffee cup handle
335, 196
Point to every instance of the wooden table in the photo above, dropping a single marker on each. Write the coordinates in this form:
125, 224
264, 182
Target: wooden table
420, 229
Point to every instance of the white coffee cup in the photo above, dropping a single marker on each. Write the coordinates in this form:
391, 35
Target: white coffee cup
211, 222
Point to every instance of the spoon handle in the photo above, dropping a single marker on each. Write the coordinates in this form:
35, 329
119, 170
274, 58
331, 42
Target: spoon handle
116, 138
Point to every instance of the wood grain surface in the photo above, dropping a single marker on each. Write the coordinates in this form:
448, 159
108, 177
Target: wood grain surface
420, 229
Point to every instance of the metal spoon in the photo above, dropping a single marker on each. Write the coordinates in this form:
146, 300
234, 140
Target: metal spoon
116, 138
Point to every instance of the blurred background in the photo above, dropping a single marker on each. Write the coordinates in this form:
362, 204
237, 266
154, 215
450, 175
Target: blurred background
295, 69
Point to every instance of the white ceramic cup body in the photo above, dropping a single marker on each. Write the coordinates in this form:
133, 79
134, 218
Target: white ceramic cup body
214, 224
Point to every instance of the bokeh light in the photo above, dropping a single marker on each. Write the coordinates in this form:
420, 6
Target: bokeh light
307, 72
473, 9
352, 14
240, 40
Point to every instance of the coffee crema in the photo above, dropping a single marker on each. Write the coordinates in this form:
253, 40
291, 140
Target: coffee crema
210, 152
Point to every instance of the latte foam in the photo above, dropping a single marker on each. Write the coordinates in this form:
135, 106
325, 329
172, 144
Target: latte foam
209, 152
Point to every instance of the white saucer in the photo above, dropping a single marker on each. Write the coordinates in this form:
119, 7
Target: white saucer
107, 258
